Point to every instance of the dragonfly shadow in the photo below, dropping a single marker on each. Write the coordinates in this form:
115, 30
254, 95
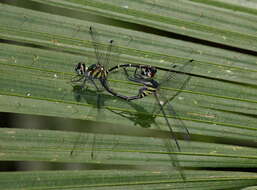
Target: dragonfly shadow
145, 119
139, 115
92, 97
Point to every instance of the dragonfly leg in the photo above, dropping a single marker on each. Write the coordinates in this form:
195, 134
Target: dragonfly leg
79, 80
126, 73
74, 79
93, 82
136, 77
83, 84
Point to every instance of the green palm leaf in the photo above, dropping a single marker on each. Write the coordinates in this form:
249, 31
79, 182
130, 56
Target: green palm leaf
39, 49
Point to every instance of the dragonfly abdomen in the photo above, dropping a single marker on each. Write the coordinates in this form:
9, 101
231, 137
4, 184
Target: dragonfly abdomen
146, 91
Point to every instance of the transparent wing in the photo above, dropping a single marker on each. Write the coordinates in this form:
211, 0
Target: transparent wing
108, 54
166, 108
176, 80
89, 141
161, 109
103, 55
173, 157
169, 143
176, 121
99, 113
96, 44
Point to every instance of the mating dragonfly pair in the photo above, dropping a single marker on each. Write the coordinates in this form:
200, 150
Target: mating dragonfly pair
144, 75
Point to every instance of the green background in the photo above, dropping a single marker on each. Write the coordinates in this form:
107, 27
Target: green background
43, 119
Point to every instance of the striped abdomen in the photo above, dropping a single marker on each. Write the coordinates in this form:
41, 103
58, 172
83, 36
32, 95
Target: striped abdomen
146, 91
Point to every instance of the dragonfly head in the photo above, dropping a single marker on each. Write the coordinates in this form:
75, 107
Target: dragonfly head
80, 68
149, 72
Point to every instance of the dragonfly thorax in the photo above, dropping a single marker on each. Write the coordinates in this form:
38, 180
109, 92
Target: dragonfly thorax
96, 71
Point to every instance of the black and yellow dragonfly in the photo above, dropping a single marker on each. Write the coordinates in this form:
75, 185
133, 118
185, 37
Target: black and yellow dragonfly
96, 71
176, 78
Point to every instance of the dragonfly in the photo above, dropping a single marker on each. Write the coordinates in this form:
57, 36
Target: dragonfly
144, 74
92, 73
97, 71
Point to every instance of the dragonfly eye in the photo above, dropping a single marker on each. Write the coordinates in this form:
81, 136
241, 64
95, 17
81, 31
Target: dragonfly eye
80, 68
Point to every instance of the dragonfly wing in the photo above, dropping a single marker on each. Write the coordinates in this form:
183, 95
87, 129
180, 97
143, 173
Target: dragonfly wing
99, 115
177, 121
167, 120
169, 143
175, 80
96, 44
85, 141
172, 118
107, 55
